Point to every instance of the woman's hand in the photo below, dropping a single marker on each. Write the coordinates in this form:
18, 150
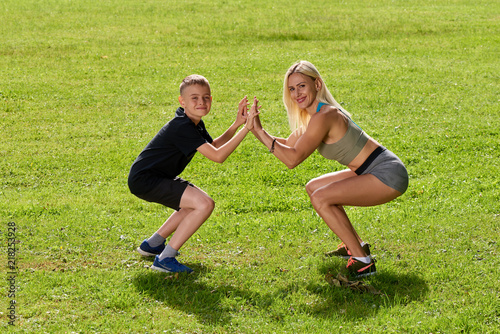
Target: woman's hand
253, 115
256, 123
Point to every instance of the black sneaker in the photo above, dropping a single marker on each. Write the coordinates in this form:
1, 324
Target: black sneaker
344, 253
360, 269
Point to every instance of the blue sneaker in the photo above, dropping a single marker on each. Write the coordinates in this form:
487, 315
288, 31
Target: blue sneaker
146, 250
170, 265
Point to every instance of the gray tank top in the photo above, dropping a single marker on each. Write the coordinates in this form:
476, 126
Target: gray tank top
348, 147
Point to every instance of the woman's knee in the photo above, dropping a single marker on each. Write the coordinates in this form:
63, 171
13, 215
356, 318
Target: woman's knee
311, 187
318, 200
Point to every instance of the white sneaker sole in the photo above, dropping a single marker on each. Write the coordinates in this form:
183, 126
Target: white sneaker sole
143, 253
366, 275
160, 269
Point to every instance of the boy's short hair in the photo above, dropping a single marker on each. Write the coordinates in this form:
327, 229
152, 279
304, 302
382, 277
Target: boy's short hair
193, 79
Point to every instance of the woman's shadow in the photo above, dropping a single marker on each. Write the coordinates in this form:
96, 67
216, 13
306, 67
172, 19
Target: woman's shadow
385, 291
216, 302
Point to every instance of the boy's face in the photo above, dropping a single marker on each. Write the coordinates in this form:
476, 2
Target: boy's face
196, 101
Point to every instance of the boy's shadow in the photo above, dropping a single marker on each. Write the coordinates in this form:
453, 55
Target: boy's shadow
187, 292
216, 303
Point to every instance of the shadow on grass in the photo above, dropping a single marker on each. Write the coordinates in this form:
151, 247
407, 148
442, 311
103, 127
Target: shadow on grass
394, 290
217, 303
211, 304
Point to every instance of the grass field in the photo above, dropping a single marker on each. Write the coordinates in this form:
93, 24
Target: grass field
84, 85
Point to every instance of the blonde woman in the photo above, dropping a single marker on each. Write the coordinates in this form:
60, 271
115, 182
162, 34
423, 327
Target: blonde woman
374, 175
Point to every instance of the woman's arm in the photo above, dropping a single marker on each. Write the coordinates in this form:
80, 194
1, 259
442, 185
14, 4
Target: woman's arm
295, 149
290, 141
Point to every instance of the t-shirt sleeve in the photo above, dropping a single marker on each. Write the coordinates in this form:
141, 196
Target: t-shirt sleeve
188, 139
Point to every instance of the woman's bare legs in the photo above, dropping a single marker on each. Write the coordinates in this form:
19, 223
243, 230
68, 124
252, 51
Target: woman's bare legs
330, 192
326, 179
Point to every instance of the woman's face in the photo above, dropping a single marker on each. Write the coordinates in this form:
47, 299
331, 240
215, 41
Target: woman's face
303, 89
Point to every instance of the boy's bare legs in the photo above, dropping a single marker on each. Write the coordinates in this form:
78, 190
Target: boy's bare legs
196, 207
157, 240
172, 223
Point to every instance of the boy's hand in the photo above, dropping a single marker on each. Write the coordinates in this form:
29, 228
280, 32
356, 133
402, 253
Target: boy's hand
253, 118
242, 112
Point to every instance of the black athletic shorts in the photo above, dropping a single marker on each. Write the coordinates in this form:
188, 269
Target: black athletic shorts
158, 189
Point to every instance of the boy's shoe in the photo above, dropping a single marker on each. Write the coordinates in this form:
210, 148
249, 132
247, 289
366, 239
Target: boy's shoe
169, 265
360, 269
146, 250
344, 253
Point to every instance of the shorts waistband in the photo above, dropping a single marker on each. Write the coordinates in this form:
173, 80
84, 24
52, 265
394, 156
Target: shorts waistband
369, 160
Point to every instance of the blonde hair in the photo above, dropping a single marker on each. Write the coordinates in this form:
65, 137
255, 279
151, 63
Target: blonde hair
193, 79
299, 118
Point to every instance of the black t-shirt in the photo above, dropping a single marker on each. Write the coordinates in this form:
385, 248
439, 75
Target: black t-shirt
173, 147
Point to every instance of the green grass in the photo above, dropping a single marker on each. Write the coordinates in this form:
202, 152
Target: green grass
84, 85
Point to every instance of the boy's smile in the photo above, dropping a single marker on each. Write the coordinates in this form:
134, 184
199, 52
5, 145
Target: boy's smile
196, 101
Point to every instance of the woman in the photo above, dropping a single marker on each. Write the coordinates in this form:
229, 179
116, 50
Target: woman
374, 175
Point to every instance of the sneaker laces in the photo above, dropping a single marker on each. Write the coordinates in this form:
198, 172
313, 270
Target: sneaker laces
350, 262
342, 245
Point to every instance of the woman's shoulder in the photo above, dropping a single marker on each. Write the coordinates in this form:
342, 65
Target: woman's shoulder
324, 119
329, 113
331, 120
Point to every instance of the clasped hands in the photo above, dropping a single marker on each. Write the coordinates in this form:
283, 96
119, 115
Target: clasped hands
249, 118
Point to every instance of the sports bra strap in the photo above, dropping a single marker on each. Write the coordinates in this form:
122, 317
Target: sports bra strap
342, 111
320, 105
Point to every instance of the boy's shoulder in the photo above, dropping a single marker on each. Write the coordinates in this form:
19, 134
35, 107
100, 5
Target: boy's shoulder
179, 118
182, 118
181, 125
180, 112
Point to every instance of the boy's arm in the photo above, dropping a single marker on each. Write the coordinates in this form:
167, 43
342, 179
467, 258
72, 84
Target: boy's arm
240, 120
226, 136
220, 154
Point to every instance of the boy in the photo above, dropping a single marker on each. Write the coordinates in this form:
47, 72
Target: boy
154, 174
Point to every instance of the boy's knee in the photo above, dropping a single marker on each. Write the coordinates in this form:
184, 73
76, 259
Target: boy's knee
207, 204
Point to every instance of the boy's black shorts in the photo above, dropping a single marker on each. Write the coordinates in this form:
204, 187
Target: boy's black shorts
153, 188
